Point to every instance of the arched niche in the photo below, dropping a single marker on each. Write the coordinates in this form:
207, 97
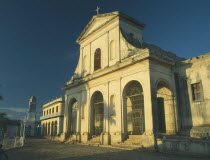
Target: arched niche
165, 109
73, 107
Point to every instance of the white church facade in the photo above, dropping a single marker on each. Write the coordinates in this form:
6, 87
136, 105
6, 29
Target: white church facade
124, 88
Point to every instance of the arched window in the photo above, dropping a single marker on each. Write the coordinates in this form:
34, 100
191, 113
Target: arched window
112, 50
97, 59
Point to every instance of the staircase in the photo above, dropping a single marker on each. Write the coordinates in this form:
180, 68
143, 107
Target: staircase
95, 141
71, 140
133, 142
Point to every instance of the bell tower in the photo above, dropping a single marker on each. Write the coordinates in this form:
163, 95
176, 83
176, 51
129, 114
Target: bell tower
32, 109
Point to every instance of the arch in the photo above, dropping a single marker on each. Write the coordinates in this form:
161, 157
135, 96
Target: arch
133, 100
112, 50
97, 59
165, 108
73, 116
97, 113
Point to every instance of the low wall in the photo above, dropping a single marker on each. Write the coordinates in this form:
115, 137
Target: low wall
184, 145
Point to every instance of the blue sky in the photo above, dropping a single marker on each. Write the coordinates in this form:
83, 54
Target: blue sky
38, 52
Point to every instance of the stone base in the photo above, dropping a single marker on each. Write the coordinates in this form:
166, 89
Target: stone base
199, 132
117, 138
63, 136
184, 145
78, 137
84, 137
106, 138
148, 141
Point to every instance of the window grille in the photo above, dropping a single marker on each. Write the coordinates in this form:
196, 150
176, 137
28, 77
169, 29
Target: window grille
196, 91
98, 113
135, 109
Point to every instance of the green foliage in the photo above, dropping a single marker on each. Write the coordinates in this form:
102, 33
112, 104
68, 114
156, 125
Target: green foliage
3, 121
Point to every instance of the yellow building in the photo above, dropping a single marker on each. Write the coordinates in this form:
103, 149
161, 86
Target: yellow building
52, 118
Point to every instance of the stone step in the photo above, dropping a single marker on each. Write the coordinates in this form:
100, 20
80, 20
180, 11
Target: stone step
133, 140
134, 137
132, 143
127, 147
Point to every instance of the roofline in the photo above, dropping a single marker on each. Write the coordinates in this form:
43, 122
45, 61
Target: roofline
117, 13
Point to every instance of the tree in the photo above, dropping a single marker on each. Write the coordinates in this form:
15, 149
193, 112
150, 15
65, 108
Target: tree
3, 122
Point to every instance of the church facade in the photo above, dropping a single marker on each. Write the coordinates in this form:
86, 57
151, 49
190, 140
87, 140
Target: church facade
124, 88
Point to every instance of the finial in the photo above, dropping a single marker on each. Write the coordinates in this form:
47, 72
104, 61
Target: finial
97, 10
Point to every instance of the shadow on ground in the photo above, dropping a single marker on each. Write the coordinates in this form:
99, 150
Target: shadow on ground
42, 149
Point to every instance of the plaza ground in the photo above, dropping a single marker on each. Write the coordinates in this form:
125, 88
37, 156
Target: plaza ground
42, 149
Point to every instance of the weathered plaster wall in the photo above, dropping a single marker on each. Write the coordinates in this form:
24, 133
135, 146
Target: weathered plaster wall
192, 71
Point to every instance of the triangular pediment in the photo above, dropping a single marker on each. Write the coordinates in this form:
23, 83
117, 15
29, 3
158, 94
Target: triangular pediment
95, 23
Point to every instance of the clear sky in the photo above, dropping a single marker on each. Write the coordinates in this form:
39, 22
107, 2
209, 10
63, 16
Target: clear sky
38, 52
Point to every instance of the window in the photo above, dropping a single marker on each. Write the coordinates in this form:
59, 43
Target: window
97, 59
53, 110
57, 109
196, 91
50, 111
44, 113
47, 111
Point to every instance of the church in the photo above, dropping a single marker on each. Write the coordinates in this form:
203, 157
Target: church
125, 90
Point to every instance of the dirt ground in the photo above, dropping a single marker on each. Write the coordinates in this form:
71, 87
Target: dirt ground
42, 149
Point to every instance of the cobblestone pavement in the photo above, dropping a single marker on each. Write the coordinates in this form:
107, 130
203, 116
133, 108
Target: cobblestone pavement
42, 149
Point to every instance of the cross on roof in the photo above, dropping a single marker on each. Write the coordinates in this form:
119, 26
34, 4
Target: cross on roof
97, 10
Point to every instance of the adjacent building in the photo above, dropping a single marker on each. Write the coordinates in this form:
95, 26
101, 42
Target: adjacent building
52, 118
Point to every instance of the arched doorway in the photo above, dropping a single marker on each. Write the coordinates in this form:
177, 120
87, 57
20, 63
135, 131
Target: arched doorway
165, 111
73, 116
134, 109
97, 113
